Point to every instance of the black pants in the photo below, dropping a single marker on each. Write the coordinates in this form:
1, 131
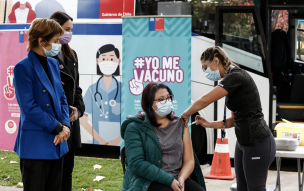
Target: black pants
41, 175
251, 164
190, 185
68, 165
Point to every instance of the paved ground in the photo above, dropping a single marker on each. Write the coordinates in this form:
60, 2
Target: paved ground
2, 188
289, 181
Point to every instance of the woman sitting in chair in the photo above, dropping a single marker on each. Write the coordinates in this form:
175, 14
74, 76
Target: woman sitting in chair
158, 147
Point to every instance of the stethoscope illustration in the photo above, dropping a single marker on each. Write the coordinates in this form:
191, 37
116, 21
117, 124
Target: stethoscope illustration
112, 102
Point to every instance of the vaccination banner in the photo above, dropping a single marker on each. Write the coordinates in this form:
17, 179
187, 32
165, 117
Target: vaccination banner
98, 47
12, 49
25, 11
99, 52
156, 49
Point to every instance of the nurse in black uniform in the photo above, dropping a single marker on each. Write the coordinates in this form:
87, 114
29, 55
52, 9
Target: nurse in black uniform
255, 147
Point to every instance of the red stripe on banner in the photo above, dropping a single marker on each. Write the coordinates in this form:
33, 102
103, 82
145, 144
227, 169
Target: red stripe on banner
25, 36
111, 9
159, 24
116, 8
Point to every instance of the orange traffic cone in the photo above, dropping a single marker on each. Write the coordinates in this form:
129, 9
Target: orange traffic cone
221, 167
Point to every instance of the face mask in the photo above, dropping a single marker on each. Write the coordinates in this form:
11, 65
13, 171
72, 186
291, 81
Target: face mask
213, 75
22, 1
66, 37
54, 51
164, 109
108, 67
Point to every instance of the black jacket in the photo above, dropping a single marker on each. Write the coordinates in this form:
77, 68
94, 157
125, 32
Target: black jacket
70, 82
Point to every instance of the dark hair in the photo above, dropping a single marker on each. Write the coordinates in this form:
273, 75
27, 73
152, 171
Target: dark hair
217, 51
147, 100
104, 49
61, 18
42, 28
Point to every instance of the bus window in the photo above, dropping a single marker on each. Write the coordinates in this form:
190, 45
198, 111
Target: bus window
203, 11
242, 41
300, 41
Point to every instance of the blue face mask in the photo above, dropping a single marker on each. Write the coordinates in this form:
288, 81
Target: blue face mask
54, 51
213, 75
164, 109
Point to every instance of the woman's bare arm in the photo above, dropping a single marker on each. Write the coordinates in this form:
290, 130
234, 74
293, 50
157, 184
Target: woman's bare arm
188, 158
212, 96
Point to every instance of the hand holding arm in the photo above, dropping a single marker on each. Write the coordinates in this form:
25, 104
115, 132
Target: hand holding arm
214, 95
88, 127
62, 136
215, 124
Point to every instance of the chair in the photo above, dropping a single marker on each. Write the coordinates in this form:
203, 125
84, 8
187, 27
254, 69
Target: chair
123, 157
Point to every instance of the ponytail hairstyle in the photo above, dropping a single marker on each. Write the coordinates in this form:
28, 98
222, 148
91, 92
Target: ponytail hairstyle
217, 51
62, 17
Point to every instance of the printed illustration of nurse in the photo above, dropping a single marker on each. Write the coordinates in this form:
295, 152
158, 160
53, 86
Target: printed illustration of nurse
102, 99
22, 12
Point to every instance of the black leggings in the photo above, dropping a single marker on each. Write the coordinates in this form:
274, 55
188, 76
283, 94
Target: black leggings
190, 185
252, 162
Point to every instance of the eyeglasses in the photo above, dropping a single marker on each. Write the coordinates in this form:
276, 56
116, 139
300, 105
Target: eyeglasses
204, 66
164, 100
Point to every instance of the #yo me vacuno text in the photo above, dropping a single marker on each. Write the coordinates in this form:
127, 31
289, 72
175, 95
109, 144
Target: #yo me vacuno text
155, 69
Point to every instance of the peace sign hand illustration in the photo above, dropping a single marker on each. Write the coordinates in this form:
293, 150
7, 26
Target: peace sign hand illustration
136, 88
9, 90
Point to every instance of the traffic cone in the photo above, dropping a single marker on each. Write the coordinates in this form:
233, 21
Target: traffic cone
221, 166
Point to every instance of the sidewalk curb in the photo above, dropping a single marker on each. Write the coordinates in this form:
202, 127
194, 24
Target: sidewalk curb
5, 188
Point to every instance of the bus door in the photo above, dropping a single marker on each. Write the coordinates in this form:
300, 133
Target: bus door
285, 28
240, 33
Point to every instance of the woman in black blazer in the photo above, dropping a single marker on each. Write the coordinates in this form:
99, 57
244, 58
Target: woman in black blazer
67, 59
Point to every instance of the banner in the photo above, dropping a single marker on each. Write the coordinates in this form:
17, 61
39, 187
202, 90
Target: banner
12, 50
156, 49
101, 9
98, 47
25, 11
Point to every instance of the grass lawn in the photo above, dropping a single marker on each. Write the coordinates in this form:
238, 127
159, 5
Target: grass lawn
83, 174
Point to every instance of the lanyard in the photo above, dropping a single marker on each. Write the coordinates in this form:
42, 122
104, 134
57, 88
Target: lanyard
223, 132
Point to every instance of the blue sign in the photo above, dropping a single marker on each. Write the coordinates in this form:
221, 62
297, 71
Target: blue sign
156, 56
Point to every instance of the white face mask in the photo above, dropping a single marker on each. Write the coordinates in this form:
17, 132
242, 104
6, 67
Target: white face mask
108, 67
22, 1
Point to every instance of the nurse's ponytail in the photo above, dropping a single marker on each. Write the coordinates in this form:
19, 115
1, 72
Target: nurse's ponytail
217, 51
